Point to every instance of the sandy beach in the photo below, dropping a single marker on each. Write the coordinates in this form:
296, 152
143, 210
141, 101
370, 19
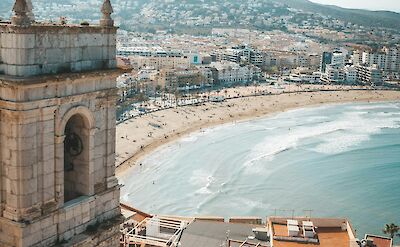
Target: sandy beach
140, 136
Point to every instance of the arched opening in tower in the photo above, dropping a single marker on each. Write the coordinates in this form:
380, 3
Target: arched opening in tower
76, 158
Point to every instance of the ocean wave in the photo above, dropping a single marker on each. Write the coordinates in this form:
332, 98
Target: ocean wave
251, 205
340, 143
201, 178
375, 106
203, 191
190, 138
350, 129
206, 202
356, 131
387, 114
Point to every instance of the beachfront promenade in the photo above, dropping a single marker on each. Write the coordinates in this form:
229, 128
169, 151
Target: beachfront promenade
142, 134
169, 101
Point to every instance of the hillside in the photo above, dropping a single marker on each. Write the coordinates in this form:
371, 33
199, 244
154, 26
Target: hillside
180, 13
361, 17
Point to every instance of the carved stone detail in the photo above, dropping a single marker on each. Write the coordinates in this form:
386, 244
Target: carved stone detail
107, 10
30, 13
20, 17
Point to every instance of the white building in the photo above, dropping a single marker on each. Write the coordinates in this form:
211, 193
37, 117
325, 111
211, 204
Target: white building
147, 74
243, 53
387, 59
357, 57
378, 59
303, 75
335, 74
350, 74
338, 59
369, 75
158, 63
233, 73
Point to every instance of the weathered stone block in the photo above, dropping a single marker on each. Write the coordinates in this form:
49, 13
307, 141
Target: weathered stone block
54, 55
76, 54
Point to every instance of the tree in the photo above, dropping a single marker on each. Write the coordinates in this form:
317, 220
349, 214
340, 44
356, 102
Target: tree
391, 230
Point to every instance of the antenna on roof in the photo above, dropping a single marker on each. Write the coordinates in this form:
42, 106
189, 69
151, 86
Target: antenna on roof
309, 211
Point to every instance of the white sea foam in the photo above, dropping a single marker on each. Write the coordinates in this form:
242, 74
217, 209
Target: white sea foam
190, 138
357, 130
250, 204
201, 178
340, 143
203, 191
374, 107
274, 145
354, 129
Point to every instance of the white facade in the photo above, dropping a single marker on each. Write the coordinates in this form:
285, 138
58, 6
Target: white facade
338, 59
232, 73
378, 59
369, 75
335, 74
159, 63
350, 74
388, 59
146, 74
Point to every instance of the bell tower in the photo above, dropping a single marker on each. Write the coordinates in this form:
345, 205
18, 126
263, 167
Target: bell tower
57, 132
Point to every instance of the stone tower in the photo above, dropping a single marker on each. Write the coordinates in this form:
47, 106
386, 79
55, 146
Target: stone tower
57, 132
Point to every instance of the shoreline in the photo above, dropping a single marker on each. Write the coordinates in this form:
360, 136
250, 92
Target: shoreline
231, 111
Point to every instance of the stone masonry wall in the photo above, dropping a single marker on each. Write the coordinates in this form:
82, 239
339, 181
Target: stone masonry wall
33, 114
44, 49
64, 225
32, 127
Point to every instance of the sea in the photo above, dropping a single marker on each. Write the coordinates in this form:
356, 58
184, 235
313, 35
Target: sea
340, 160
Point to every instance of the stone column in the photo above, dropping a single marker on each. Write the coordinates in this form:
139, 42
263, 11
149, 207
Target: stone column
22, 166
59, 170
90, 183
110, 154
107, 10
20, 17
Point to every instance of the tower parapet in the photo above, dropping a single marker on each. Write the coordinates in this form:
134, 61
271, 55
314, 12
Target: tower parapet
29, 48
42, 49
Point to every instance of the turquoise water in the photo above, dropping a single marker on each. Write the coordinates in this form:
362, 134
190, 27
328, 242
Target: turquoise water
336, 160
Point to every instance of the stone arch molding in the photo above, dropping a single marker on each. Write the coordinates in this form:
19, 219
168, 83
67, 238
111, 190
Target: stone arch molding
83, 111
87, 116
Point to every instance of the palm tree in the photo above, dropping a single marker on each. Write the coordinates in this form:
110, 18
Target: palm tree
391, 230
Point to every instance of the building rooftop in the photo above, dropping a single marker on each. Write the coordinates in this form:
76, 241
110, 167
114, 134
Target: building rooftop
210, 234
380, 241
329, 232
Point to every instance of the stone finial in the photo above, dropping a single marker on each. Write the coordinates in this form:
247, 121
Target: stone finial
30, 10
107, 10
20, 17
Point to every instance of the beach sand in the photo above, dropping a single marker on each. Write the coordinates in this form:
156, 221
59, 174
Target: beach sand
140, 136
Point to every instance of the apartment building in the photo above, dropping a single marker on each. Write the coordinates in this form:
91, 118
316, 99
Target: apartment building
386, 59
180, 79
232, 73
241, 54
335, 58
158, 63
369, 75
